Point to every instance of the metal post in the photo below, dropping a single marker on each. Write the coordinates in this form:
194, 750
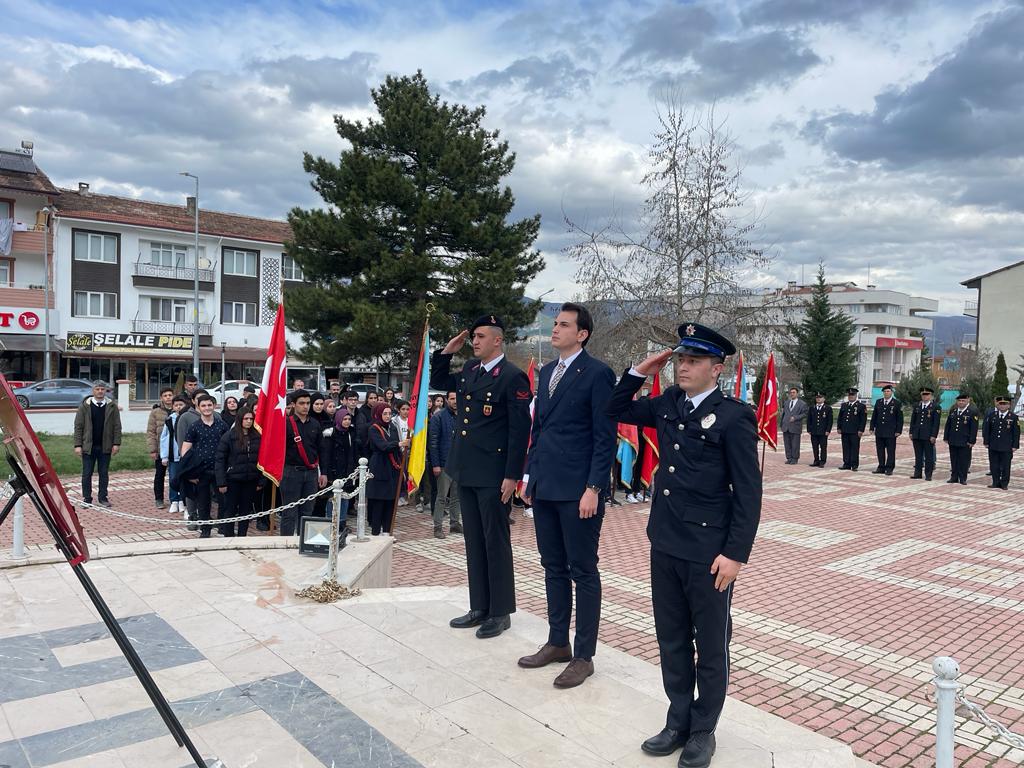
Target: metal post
223, 374
195, 284
946, 673
18, 544
332, 555
46, 293
364, 467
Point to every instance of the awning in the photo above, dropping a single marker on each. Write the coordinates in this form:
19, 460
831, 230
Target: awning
233, 354
29, 342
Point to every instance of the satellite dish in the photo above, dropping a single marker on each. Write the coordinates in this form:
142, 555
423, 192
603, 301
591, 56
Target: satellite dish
205, 263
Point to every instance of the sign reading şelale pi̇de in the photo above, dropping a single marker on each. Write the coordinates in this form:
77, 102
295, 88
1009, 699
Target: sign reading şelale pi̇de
130, 343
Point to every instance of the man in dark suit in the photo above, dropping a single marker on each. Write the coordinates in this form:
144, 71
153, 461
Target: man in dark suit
571, 450
924, 431
819, 427
960, 435
704, 516
792, 418
853, 418
487, 457
1001, 435
886, 425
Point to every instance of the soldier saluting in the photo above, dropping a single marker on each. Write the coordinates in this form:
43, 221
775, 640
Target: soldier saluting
1001, 435
703, 519
961, 434
487, 458
924, 431
853, 418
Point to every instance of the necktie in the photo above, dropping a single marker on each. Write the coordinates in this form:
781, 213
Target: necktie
687, 408
555, 378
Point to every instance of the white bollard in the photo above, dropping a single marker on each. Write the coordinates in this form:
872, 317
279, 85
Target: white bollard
332, 556
18, 542
364, 468
946, 673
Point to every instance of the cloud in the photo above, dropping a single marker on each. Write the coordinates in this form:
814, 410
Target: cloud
326, 80
783, 13
764, 154
672, 32
554, 77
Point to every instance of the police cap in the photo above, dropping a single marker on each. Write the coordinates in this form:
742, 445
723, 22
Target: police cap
852, 391
819, 394
701, 341
962, 396
1002, 398
489, 321
927, 391
887, 386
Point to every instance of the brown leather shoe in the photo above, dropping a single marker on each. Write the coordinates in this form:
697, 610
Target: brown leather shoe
548, 654
573, 675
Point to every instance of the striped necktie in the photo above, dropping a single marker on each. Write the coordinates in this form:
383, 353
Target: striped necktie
555, 378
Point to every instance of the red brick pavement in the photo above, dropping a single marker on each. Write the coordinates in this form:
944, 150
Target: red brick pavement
856, 582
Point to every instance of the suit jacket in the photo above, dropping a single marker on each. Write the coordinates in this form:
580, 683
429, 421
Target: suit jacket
924, 422
572, 444
1001, 433
492, 421
853, 417
791, 419
708, 499
819, 422
887, 420
961, 430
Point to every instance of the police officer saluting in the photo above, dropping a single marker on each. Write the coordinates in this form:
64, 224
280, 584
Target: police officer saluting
924, 431
1001, 435
703, 519
961, 434
487, 458
819, 427
886, 425
853, 417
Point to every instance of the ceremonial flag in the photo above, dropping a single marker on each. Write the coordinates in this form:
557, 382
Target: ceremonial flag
626, 454
768, 406
270, 408
419, 413
530, 373
650, 434
741, 381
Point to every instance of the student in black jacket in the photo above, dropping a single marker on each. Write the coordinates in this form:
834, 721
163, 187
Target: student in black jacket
344, 457
385, 465
237, 475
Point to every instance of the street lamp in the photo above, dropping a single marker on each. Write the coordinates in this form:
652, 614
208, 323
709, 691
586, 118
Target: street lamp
540, 359
46, 293
195, 299
223, 375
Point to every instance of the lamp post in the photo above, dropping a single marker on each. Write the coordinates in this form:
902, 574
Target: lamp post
540, 357
46, 293
223, 375
195, 298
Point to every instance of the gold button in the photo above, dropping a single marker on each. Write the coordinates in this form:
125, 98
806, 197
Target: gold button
463, 433
671, 469
666, 491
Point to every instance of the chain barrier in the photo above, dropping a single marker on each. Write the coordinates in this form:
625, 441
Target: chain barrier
975, 712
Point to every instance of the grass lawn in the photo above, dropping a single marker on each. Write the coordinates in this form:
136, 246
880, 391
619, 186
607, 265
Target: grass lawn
133, 453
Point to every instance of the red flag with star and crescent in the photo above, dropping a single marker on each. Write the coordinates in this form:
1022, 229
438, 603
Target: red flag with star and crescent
270, 409
650, 436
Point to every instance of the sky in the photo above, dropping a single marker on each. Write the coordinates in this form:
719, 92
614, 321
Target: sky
884, 138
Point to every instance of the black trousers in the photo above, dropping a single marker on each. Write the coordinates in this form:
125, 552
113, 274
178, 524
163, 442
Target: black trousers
204, 500
379, 512
296, 483
160, 472
885, 449
485, 526
924, 456
691, 615
238, 500
959, 461
819, 444
851, 449
791, 440
999, 464
568, 552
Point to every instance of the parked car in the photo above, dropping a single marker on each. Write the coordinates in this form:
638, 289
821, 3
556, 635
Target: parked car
361, 389
54, 393
231, 388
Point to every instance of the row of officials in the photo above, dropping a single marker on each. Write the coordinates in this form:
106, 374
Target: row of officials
1000, 432
705, 509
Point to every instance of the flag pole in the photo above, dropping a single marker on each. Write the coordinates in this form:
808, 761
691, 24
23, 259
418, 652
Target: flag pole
764, 445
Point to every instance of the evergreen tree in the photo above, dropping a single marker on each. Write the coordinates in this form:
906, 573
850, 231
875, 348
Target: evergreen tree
415, 212
908, 388
1000, 379
822, 350
762, 371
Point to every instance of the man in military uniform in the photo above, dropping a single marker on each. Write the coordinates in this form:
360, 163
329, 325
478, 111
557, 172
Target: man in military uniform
961, 434
924, 431
853, 417
1001, 435
819, 427
486, 460
886, 425
703, 519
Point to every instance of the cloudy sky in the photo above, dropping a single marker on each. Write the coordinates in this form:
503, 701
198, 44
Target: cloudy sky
874, 133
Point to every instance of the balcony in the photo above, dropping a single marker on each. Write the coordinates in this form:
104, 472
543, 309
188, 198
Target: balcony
971, 308
30, 243
27, 296
169, 327
156, 276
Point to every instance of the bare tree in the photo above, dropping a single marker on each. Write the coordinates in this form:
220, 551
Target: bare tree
692, 249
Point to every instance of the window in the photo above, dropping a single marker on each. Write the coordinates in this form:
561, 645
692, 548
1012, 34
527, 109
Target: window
238, 313
168, 310
167, 254
5, 272
878, 355
94, 246
877, 374
855, 309
90, 304
289, 269
239, 262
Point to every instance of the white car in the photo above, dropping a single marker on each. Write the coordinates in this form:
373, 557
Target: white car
231, 388
361, 389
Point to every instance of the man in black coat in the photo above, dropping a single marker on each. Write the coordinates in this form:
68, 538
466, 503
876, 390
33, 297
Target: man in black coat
853, 418
924, 431
960, 435
819, 427
886, 425
487, 460
703, 520
1001, 435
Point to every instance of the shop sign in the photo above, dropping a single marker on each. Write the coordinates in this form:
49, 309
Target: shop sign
17, 320
889, 341
130, 343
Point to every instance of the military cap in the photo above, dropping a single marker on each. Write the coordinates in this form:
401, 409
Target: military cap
927, 391
701, 341
962, 396
819, 394
852, 391
487, 321
887, 386
1002, 398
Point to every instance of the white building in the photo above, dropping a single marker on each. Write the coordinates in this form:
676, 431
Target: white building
998, 312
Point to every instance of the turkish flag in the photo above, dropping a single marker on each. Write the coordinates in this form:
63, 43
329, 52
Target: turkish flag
650, 436
768, 406
530, 374
270, 409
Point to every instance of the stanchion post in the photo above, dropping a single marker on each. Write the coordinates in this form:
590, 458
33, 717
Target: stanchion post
332, 557
18, 543
364, 468
946, 672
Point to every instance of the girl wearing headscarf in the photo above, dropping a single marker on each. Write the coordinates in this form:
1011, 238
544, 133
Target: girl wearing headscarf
386, 449
344, 457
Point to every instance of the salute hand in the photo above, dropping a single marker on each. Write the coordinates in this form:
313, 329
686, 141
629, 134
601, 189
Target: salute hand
455, 344
654, 363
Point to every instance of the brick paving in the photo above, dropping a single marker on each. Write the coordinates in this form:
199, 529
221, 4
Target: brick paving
856, 582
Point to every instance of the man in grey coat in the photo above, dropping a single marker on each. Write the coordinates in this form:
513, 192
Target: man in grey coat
791, 419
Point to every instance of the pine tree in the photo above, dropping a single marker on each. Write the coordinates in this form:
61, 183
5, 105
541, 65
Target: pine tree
822, 350
415, 212
908, 388
762, 371
1000, 379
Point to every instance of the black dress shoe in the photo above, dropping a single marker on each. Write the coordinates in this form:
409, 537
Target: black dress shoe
916, 476
963, 482
844, 466
494, 626
951, 480
854, 469
888, 471
471, 619
927, 477
699, 750
664, 743
878, 471
994, 485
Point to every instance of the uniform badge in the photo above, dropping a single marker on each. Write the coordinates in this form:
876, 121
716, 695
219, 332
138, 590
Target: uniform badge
708, 421
487, 410
690, 330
